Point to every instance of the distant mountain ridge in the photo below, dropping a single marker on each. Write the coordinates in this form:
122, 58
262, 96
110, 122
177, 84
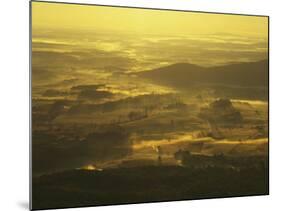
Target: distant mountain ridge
252, 74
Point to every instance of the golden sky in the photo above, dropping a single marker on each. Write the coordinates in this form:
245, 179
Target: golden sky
77, 17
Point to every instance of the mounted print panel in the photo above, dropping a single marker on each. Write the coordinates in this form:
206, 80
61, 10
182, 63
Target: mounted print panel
134, 105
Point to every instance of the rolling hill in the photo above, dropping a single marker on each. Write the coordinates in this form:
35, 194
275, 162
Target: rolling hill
248, 74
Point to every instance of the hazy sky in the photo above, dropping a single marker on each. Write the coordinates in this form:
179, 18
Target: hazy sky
51, 15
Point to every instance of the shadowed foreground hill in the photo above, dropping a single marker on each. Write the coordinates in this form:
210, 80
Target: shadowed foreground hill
250, 74
145, 184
